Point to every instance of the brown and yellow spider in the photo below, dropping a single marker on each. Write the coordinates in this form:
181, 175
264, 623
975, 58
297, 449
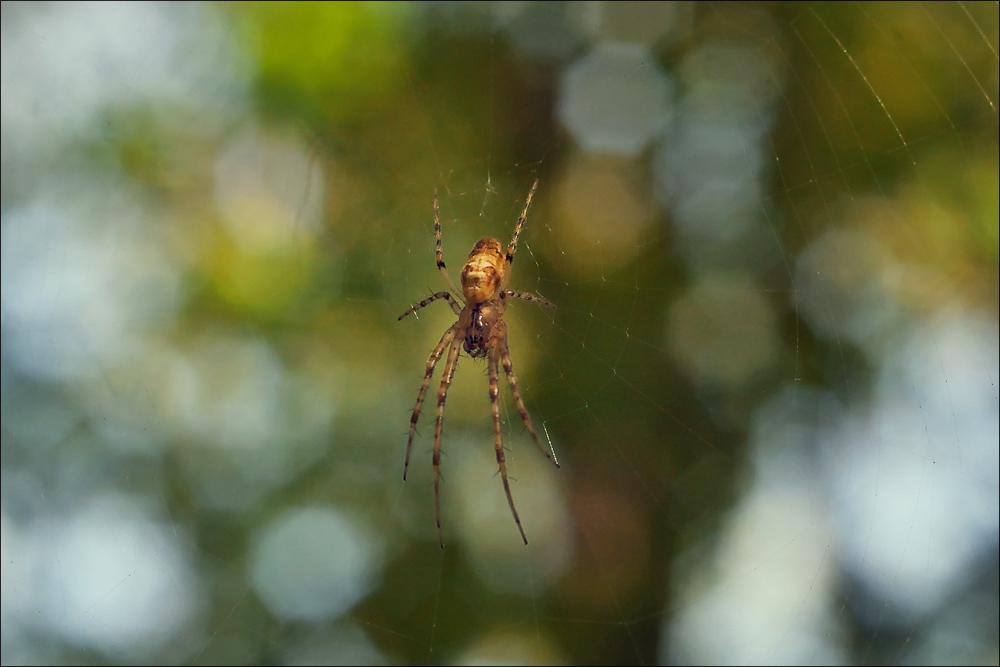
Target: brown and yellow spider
480, 329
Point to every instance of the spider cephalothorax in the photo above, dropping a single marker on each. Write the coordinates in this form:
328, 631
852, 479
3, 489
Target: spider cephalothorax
482, 320
481, 331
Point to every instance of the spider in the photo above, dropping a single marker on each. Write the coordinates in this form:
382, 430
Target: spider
481, 331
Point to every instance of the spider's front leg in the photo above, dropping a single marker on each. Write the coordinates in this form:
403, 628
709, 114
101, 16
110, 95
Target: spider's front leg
508, 368
432, 361
497, 340
446, 376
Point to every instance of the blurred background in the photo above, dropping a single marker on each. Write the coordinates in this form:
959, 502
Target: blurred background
771, 379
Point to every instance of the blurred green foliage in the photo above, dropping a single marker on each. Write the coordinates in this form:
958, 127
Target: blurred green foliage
337, 62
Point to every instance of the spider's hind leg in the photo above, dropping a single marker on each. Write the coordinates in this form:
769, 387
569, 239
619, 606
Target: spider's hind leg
438, 253
512, 248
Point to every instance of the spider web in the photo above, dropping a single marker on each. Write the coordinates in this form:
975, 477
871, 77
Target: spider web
770, 379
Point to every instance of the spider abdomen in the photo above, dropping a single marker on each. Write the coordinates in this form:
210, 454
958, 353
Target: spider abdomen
483, 271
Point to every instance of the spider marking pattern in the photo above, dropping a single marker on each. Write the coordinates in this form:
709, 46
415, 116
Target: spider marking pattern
480, 306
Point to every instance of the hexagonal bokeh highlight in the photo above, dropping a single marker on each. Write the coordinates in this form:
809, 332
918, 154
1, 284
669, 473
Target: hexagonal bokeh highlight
615, 99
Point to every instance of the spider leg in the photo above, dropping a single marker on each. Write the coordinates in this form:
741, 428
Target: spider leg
498, 440
431, 299
512, 248
446, 375
508, 367
438, 254
432, 361
527, 296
